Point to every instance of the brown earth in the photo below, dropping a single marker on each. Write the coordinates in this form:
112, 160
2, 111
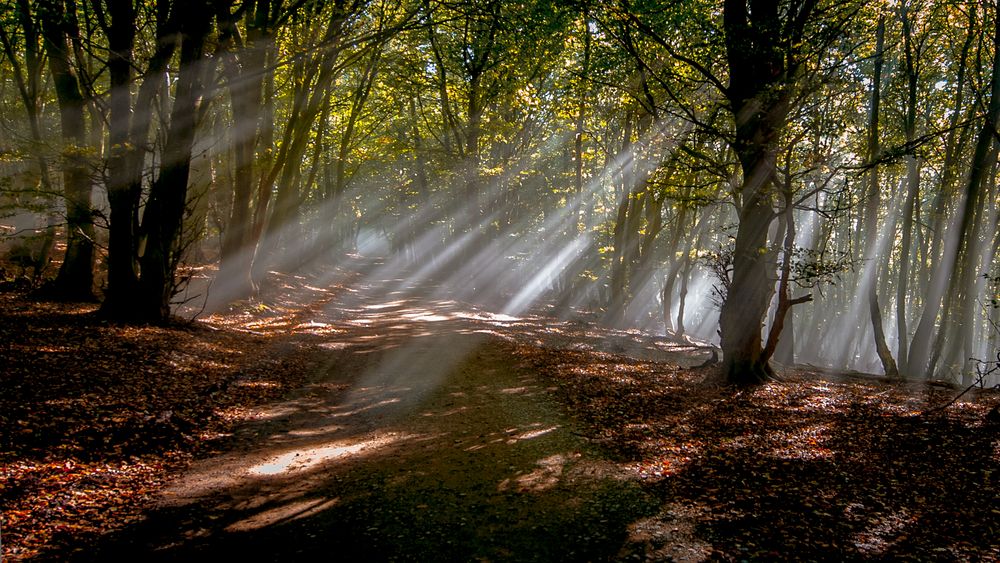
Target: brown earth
327, 423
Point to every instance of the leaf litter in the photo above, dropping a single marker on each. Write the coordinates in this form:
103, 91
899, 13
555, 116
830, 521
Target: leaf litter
95, 418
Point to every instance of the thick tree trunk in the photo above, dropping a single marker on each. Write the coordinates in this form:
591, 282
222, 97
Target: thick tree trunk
761, 53
128, 132
742, 316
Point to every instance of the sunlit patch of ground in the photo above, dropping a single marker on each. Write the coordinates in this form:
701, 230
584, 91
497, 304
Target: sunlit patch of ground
812, 466
304, 459
95, 416
290, 512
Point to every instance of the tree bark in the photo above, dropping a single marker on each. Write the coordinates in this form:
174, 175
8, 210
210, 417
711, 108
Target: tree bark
785, 301
872, 205
579, 122
246, 72
128, 132
961, 247
165, 209
761, 76
28, 80
76, 276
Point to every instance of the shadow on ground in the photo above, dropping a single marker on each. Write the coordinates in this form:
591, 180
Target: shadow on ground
419, 440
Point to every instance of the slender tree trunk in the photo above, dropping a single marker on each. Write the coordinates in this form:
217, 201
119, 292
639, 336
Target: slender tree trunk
962, 246
684, 266
246, 72
164, 213
578, 126
28, 79
785, 301
911, 72
309, 102
625, 195
414, 230
902, 282
682, 292
76, 276
359, 98
872, 205
670, 277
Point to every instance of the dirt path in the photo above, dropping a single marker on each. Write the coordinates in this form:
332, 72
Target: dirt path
422, 429
419, 440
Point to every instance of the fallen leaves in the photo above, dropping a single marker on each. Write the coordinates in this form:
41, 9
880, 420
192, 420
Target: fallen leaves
811, 467
94, 416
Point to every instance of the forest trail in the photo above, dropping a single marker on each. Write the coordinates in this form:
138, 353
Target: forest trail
368, 421
420, 438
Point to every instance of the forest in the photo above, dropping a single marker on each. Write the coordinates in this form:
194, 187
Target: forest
702, 263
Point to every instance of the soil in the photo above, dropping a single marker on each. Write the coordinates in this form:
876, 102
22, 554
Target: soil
336, 422
442, 450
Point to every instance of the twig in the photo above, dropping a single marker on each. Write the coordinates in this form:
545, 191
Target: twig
977, 382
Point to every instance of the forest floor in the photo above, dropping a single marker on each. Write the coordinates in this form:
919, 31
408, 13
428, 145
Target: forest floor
332, 420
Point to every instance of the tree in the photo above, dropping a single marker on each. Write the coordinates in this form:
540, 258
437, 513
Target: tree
28, 78
247, 66
873, 254
963, 251
130, 120
764, 55
59, 29
141, 284
164, 213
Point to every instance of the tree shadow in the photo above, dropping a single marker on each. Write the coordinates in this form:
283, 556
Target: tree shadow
805, 469
417, 445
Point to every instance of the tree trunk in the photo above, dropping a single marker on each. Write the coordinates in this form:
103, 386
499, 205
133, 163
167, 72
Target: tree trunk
309, 101
785, 301
164, 212
578, 126
670, 277
76, 276
902, 282
964, 285
872, 205
128, 133
910, 57
28, 80
761, 53
616, 291
246, 72
414, 229
961, 247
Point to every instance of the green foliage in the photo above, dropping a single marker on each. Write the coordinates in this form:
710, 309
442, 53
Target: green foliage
811, 268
